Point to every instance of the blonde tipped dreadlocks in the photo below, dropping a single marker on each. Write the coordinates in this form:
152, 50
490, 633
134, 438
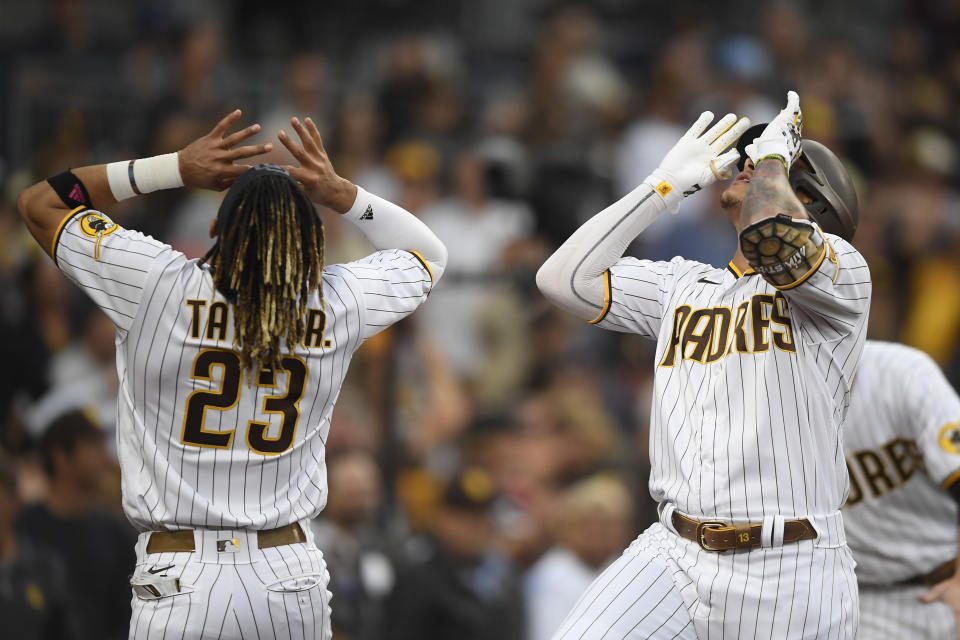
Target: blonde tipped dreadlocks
268, 258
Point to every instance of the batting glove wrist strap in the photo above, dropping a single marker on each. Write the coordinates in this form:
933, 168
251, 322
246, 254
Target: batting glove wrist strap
131, 178
783, 250
782, 137
663, 183
698, 158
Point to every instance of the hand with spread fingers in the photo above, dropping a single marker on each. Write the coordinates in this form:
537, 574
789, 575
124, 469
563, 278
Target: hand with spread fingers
782, 137
210, 162
316, 173
698, 158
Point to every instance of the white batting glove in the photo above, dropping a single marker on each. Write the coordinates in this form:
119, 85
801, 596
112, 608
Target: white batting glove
781, 138
698, 158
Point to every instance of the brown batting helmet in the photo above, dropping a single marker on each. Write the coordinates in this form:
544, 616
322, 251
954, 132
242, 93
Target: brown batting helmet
820, 174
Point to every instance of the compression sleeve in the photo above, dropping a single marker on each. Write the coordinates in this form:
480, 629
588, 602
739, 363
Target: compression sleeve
574, 276
388, 226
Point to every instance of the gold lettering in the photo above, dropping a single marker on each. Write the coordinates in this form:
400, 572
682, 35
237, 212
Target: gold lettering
316, 323
761, 321
195, 306
720, 321
699, 337
680, 315
218, 321
780, 315
876, 474
740, 332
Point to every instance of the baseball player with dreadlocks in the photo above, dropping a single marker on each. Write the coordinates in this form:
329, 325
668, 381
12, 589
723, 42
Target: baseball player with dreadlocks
229, 369
753, 370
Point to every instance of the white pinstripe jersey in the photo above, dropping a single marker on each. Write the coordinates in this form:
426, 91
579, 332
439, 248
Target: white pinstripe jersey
751, 383
902, 442
200, 444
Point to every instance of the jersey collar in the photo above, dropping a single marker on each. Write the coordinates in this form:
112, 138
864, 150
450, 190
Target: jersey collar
737, 273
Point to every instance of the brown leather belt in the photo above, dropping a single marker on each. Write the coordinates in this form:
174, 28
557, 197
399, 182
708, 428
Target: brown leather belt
176, 541
939, 574
715, 535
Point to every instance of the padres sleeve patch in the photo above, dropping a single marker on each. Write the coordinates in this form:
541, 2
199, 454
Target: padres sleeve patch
96, 226
950, 438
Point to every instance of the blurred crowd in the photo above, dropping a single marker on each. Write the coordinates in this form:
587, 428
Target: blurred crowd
488, 455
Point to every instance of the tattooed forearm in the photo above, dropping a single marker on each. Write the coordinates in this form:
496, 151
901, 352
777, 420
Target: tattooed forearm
770, 193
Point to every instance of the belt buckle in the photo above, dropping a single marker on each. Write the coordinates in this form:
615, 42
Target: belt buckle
709, 524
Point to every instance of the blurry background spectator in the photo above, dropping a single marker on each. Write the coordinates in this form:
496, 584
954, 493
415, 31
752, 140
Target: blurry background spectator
592, 526
95, 547
505, 124
361, 575
34, 596
452, 583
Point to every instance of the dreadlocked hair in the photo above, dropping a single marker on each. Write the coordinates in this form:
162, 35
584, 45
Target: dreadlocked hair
266, 261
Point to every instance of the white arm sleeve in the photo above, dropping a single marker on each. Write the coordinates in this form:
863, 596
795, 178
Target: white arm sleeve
573, 277
388, 226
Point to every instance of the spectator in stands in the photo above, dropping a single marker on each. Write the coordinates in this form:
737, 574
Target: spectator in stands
33, 592
96, 549
361, 575
593, 523
451, 584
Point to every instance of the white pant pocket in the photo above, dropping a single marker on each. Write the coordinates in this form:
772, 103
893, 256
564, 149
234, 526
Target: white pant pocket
300, 582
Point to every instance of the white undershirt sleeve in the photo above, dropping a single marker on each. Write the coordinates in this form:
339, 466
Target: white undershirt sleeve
388, 226
573, 277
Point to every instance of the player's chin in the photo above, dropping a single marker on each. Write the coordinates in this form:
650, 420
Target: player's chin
732, 197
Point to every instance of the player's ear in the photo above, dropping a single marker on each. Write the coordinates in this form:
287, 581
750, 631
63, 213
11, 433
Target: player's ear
214, 228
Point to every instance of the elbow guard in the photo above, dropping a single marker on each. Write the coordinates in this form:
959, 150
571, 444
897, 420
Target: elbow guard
785, 251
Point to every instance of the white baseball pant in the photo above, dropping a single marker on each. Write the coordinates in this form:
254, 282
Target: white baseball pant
664, 587
230, 589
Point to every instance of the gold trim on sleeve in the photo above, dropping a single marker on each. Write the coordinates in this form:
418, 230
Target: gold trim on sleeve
951, 479
63, 223
607, 297
423, 261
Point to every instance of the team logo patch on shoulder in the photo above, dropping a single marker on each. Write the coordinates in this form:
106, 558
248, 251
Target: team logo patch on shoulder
950, 438
96, 226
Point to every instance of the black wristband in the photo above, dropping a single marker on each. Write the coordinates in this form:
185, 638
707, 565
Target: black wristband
72, 192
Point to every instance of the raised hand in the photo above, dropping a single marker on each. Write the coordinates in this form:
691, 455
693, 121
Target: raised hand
698, 158
782, 137
316, 173
210, 162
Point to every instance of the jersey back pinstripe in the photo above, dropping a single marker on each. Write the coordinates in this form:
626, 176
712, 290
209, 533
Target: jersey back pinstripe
201, 442
902, 443
751, 383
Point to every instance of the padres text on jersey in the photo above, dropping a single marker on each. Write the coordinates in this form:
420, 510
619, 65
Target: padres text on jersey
751, 382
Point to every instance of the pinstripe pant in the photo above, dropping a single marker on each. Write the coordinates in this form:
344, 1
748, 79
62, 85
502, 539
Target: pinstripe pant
241, 592
889, 613
664, 586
